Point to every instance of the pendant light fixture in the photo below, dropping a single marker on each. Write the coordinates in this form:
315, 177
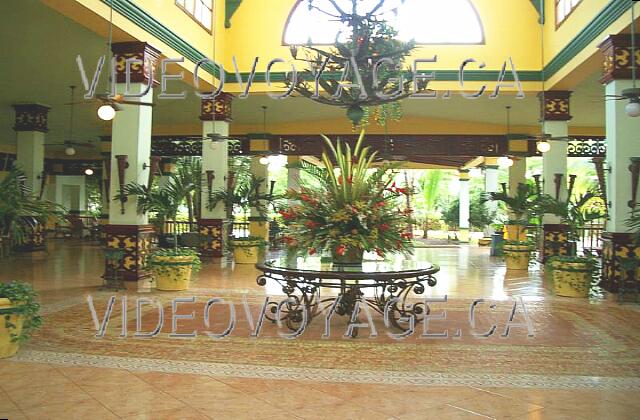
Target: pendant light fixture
106, 111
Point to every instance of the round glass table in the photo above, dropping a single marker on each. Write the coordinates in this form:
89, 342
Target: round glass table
392, 283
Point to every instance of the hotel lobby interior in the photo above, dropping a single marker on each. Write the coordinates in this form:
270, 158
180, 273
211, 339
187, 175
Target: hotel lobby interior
349, 209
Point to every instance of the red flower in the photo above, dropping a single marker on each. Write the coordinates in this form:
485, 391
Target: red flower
384, 227
341, 250
312, 251
311, 224
287, 214
350, 180
392, 188
379, 252
379, 204
407, 235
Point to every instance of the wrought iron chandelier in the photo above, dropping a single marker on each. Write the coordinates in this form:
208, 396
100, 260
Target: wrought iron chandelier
367, 62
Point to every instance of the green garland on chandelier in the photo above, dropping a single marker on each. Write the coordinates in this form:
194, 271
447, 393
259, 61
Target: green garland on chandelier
370, 40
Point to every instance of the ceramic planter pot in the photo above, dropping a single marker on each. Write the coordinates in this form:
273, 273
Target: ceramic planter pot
172, 273
517, 256
571, 279
246, 252
515, 233
8, 348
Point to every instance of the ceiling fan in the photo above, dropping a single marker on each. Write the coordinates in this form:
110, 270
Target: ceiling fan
70, 145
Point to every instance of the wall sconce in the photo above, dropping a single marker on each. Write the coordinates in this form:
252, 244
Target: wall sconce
272, 186
572, 183
211, 175
154, 165
538, 181
43, 183
122, 167
634, 168
231, 180
599, 164
558, 181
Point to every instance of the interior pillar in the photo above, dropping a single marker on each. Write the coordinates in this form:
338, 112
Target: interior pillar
622, 147
517, 174
105, 184
31, 125
464, 205
130, 150
215, 115
555, 113
259, 224
491, 172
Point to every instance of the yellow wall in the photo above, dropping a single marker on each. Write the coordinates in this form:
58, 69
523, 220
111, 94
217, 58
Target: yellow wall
556, 39
94, 14
258, 26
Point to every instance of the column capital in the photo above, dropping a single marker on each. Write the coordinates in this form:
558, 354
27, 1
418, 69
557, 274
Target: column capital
123, 51
218, 109
31, 117
491, 163
556, 106
616, 51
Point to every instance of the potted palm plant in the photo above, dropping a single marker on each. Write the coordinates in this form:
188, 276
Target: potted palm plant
21, 212
21, 314
171, 267
243, 195
571, 274
522, 206
352, 207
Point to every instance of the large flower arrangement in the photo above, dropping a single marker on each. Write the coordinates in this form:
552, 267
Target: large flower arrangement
351, 208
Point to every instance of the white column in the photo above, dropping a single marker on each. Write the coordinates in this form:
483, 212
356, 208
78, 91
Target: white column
31, 126
464, 205
215, 157
491, 173
517, 174
555, 160
215, 116
131, 136
622, 144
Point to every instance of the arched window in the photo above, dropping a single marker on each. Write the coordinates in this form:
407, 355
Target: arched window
425, 21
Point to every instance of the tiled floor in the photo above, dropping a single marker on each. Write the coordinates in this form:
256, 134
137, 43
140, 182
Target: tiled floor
46, 381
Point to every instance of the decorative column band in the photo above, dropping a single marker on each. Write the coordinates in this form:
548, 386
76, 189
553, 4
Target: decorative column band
218, 109
619, 261
135, 241
212, 233
555, 241
556, 106
617, 65
141, 69
31, 117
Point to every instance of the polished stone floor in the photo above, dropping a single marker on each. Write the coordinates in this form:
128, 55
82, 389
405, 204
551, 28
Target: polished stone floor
583, 362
